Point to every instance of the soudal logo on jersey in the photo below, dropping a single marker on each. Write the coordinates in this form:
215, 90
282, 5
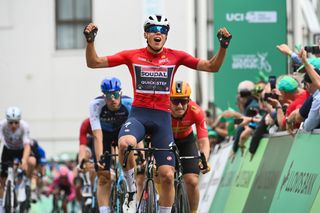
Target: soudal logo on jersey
156, 74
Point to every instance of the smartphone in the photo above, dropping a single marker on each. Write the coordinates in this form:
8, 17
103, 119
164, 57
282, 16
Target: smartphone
272, 81
312, 49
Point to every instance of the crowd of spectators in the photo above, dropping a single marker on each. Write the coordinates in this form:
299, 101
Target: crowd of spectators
273, 103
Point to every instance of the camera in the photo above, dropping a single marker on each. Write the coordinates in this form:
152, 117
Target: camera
312, 49
270, 95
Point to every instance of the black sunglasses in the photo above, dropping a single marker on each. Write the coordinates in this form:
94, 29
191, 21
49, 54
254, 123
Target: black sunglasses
13, 122
177, 101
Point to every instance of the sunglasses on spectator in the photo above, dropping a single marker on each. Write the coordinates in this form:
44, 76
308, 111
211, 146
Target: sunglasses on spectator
115, 95
157, 28
178, 101
13, 122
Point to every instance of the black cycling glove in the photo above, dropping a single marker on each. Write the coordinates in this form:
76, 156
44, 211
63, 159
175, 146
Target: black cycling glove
224, 41
90, 36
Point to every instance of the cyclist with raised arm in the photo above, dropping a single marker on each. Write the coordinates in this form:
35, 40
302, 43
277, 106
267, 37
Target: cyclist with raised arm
186, 113
14, 133
107, 114
152, 70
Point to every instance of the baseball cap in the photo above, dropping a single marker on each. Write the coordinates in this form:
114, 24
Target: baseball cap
288, 84
315, 62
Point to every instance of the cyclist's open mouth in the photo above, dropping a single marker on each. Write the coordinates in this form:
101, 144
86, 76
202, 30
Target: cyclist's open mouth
157, 39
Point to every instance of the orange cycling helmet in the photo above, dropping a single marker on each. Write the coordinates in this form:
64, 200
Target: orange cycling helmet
180, 89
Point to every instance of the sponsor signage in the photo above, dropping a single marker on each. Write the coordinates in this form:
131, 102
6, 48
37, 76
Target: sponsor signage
244, 178
299, 183
268, 174
257, 27
209, 182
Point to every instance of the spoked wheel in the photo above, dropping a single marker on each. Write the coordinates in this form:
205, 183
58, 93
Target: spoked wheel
113, 197
7, 201
122, 194
150, 198
181, 203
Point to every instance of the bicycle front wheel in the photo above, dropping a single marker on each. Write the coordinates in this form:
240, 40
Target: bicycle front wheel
113, 197
7, 201
150, 198
122, 194
181, 204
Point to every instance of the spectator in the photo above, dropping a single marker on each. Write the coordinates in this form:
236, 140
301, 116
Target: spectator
289, 93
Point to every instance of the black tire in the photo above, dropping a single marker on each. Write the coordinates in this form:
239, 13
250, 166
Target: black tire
122, 194
7, 201
181, 203
113, 197
151, 199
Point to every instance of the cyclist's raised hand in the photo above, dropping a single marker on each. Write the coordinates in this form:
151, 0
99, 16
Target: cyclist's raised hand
224, 37
90, 32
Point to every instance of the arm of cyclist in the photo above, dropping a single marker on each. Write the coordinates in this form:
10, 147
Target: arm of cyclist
214, 64
98, 146
93, 60
25, 156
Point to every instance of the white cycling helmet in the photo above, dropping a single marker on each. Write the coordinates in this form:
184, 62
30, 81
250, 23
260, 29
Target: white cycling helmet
159, 20
13, 114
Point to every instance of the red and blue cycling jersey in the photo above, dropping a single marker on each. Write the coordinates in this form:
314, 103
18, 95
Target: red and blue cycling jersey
152, 74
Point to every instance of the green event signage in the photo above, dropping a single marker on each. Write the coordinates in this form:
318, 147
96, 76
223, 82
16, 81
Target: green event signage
268, 174
300, 180
257, 26
226, 182
244, 179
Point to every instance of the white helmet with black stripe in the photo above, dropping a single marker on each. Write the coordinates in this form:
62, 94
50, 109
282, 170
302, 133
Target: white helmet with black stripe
159, 20
13, 114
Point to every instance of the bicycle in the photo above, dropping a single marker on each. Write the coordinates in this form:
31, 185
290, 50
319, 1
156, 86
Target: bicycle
17, 192
148, 199
58, 200
89, 201
118, 186
181, 201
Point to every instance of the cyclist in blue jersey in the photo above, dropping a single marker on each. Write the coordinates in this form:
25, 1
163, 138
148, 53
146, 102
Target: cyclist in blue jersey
107, 114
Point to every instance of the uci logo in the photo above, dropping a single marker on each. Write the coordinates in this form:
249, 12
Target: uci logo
235, 17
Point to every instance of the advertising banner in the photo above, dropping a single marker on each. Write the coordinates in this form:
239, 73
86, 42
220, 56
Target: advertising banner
268, 174
226, 182
300, 180
244, 179
257, 27
209, 182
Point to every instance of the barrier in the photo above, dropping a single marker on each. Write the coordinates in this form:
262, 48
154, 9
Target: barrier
282, 177
268, 174
209, 182
224, 188
299, 182
316, 204
244, 179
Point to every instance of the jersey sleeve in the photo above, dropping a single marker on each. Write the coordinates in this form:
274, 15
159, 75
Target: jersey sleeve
95, 110
127, 102
201, 126
26, 133
188, 60
84, 131
118, 59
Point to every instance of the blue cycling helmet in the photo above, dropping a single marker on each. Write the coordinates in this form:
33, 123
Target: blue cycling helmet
110, 85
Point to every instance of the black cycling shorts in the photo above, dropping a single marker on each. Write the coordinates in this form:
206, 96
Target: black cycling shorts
187, 147
8, 155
